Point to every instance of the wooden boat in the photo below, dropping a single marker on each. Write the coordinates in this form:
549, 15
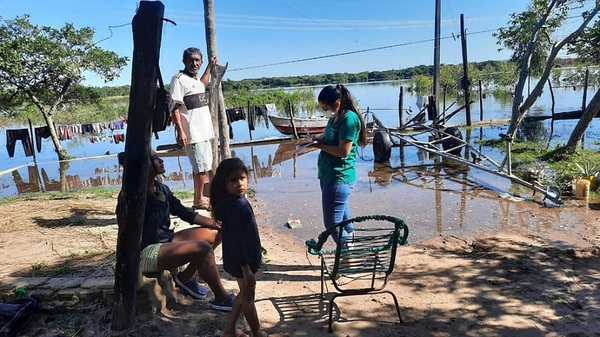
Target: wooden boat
304, 125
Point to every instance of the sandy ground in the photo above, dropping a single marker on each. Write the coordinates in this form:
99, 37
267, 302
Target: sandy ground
489, 284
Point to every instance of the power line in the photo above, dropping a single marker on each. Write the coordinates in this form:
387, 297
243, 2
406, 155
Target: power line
353, 52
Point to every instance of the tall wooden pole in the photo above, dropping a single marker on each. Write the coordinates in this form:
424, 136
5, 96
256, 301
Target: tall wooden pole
147, 33
466, 82
220, 143
436, 56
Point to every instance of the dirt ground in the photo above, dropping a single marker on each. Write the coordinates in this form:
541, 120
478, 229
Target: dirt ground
491, 284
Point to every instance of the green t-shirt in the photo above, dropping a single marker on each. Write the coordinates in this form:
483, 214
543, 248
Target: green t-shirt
335, 169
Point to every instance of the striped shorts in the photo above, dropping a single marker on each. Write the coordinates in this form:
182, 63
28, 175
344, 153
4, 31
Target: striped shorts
149, 258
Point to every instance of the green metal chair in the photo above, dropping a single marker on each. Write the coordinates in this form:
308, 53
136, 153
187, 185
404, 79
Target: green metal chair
364, 261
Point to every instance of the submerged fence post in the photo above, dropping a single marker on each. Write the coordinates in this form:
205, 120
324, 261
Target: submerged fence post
480, 102
401, 108
585, 87
31, 141
248, 116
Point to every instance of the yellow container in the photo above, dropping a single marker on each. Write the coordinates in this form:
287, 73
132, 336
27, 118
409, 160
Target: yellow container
582, 188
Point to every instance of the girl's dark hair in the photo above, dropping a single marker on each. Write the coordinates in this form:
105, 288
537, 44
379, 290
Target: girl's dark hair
218, 189
332, 93
191, 51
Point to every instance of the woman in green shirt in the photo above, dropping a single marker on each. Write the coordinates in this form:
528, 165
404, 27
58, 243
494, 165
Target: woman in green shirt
337, 160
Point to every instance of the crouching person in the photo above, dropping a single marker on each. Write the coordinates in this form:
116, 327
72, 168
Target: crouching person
165, 249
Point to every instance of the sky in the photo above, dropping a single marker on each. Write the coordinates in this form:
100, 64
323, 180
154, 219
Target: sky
272, 38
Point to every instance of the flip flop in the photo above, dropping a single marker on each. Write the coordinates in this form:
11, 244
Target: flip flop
205, 207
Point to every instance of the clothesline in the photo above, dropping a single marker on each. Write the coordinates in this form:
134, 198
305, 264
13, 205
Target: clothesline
64, 132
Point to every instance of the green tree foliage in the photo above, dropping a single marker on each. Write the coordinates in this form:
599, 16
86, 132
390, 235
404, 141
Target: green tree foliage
44, 67
531, 36
519, 32
302, 101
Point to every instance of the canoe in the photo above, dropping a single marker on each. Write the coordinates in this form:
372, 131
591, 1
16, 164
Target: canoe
304, 125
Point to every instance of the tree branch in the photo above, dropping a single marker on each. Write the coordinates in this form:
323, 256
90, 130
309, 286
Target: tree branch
61, 96
550, 61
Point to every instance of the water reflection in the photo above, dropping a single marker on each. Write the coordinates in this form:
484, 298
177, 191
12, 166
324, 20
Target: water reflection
39, 180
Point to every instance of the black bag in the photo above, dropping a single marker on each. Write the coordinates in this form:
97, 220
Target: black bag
161, 116
14, 315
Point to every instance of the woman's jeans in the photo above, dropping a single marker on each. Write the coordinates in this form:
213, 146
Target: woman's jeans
334, 200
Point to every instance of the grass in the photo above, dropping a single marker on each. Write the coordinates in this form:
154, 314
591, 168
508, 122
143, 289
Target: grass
87, 193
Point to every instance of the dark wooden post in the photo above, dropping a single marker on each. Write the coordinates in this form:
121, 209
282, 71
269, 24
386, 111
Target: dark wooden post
465, 83
248, 116
401, 107
480, 102
33, 136
147, 33
585, 87
292, 119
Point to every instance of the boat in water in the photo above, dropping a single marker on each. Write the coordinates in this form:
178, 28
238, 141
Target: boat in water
303, 125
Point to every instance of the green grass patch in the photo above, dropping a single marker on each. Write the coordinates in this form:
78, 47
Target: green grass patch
87, 193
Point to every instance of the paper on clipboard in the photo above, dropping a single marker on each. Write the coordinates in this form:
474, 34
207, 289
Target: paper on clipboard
304, 146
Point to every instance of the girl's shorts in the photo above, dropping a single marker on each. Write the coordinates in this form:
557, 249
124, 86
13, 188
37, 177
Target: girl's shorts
149, 258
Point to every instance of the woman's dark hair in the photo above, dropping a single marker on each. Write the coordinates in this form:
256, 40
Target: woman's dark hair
331, 93
218, 189
191, 51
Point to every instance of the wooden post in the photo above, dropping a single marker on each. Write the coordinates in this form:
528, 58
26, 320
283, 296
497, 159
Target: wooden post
465, 83
31, 141
436, 55
444, 101
147, 33
480, 102
292, 119
401, 107
248, 117
585, 87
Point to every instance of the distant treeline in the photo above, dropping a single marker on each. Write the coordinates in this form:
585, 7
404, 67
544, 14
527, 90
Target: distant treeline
492, 73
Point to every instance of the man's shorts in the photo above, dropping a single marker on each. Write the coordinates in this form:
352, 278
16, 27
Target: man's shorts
200, 156
149, 258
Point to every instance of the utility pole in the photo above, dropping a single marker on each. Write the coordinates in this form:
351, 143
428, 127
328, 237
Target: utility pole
436, 57
465, 83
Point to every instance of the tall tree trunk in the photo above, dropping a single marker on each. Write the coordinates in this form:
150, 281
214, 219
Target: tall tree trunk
590, 112
219, 118
520, 110
61, 153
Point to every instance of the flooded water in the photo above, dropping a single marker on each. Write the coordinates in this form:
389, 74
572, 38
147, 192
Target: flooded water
434, 199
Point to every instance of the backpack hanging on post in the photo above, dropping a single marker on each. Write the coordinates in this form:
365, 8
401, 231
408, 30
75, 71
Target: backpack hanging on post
161, 116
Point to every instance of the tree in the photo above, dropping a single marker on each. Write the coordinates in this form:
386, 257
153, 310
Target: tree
45, 66
530, 37
587, 48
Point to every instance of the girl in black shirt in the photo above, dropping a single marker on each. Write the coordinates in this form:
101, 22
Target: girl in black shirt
241, 242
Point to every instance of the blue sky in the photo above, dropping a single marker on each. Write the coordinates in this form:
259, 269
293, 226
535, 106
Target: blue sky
254, 34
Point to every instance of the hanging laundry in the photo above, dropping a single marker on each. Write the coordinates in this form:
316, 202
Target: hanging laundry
96, 127
87, 128
119, 138
235, 114
42, 132
12, 136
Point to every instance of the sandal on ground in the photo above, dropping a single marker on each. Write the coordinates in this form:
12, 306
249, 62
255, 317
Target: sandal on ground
205, 207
